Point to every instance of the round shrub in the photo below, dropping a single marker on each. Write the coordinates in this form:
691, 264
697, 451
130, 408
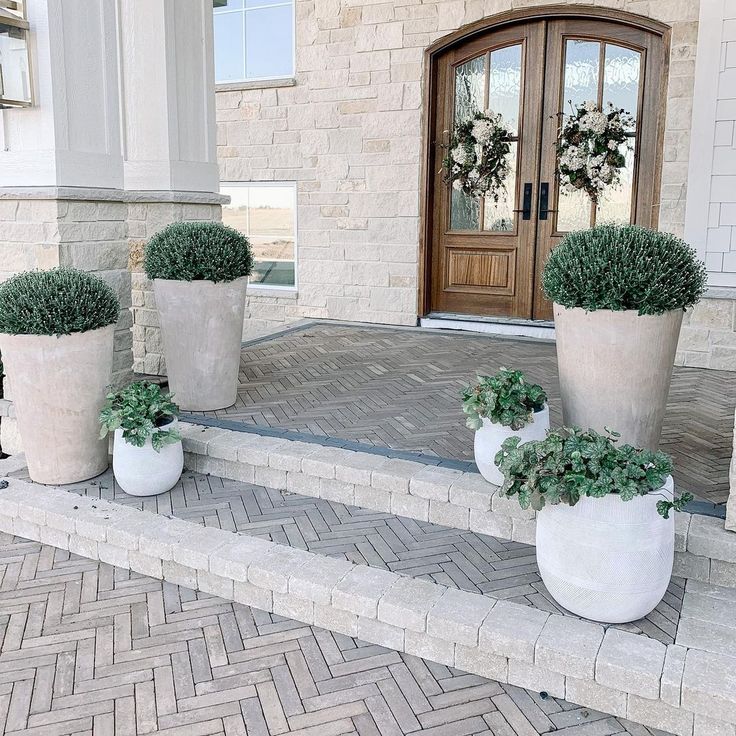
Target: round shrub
195, 251
621, 267
56, 302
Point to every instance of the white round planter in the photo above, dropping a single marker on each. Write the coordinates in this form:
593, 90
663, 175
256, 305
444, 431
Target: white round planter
141, 471
490, 437
606, 559
615, 370
202, 331
58, 385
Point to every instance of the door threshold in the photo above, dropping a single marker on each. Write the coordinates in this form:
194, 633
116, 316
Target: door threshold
539, 329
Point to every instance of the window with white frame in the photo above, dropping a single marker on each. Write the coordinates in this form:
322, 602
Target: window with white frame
266, 214
254, 40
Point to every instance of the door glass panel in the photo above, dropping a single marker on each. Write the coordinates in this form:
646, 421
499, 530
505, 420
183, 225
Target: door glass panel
464, 211
582, 67
621, 78
470, 80
499, 216
614, 206
504, 84
573, 211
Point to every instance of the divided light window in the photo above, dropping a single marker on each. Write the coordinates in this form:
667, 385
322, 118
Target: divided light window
254, 39
266, 214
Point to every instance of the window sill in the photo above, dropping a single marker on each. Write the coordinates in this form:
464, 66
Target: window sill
255, 84
284, 292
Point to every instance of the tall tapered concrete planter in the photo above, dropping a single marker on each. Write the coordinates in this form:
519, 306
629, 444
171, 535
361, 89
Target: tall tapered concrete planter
615, 370
202, 327
59, 385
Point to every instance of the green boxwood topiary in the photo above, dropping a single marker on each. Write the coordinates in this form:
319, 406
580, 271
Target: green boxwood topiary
195, 251
56, 302
621, 267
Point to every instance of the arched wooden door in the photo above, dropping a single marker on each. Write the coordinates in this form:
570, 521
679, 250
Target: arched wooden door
486, 258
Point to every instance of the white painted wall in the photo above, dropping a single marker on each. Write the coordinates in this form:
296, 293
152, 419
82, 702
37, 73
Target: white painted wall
710, 222
71, 137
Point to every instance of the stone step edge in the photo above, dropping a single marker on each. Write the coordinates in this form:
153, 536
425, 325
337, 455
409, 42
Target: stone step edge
628, 675
704, 550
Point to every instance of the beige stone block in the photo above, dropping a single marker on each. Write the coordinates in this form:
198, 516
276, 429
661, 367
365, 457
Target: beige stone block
593, 695
630, 662
713, 313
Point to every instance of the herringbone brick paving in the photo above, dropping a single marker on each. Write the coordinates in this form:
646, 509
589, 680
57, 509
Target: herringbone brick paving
459, 559
399, 388
90, 649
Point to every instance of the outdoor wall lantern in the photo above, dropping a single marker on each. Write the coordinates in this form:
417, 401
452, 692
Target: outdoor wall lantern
15, 68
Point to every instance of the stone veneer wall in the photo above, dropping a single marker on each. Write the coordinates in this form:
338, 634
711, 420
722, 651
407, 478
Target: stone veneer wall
349, 132
144, 220
708, 337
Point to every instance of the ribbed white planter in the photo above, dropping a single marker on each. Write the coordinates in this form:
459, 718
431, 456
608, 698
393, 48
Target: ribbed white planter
606, 559
202, 330
141, 471
59, 384
490, 437
615, 370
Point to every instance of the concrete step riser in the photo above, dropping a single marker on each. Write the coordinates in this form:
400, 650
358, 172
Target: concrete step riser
668, 687
704, 550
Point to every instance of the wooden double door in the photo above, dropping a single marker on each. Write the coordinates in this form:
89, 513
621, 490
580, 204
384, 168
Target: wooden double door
485, 257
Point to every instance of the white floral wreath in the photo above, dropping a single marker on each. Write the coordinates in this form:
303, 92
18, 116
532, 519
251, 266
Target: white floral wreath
591, 147
477, 157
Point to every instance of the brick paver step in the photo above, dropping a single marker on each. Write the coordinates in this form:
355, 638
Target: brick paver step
399, 388
90, 648
455, 558
627, 674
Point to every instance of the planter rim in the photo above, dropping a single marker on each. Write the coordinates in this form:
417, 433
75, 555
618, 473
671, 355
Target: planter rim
58, 337
629, 312
202, 281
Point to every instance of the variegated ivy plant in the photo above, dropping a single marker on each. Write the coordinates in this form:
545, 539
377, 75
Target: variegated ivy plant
571, 463
505, 398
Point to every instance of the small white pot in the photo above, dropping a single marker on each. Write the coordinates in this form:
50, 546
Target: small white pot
141, 471
606, 559
490, 437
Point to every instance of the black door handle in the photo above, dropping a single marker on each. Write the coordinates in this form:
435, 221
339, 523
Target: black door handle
526, 206
543, 200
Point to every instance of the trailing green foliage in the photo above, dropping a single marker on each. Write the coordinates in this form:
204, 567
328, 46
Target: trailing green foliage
624, 267
194, 251
505, 398
571, 463
141, 410
56, 302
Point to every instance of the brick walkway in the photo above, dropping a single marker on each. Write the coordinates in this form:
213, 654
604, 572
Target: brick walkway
459, 559
91, 649
399, 388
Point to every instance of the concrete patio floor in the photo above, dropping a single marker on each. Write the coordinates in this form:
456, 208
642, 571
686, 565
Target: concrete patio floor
399, 388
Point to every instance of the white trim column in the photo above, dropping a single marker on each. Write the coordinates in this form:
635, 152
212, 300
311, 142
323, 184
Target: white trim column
168, 103
71, 136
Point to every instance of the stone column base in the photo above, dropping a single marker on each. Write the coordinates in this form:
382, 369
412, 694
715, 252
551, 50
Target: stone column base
102, 231
145, 218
